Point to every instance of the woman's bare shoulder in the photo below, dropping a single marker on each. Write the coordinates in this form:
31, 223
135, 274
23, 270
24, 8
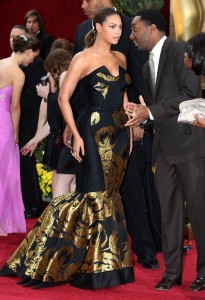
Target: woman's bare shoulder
10, 71
121, 57
81, 60
80, 56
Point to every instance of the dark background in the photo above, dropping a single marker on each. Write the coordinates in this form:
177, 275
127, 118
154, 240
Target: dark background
61, 18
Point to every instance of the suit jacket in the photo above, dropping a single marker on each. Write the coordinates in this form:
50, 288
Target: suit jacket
46, 42
135, 58
30, 101
174, 84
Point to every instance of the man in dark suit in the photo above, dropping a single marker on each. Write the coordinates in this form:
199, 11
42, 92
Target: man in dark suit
178, 149
30, 105
33, 21
145, 232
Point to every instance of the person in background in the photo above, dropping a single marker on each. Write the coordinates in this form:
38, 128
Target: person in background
51, 123
85, 240
194, 58
30, 104
180, 164
138, 191
33, 21
25, 49
62, 44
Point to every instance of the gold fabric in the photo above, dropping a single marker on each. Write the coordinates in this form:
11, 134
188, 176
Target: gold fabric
74, 223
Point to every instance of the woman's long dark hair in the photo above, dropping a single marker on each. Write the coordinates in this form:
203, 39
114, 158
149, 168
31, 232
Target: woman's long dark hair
100, 18
57, 62
195, 49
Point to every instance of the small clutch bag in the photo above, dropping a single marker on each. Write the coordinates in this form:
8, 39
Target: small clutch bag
190, 108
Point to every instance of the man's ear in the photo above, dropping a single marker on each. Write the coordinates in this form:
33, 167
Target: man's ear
153, 27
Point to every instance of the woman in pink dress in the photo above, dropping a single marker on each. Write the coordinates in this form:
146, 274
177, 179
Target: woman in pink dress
26, 48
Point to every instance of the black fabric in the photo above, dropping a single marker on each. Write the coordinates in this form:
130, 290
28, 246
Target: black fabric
66, 162
46, 42
30, 105
53, 148
57, 156
31, 192
54, 116
30, 101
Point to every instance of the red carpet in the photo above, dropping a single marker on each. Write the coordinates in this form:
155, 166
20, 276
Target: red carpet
141, 289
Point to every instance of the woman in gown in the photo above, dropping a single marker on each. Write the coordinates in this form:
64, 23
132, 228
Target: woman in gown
81, 237
11, 83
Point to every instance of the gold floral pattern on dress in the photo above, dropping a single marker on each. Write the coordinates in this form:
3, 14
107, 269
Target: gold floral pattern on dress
102, 88
94, 237
113, 178
107, 77
95, 118
120, 117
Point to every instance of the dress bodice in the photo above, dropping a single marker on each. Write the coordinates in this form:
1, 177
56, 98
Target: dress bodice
100, 90
5, 98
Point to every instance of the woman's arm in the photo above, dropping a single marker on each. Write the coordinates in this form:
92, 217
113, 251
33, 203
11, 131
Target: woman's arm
43, 90
18, 82
42, 114
67, 134
41, 134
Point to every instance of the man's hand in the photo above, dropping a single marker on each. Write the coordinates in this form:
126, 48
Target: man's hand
137, 112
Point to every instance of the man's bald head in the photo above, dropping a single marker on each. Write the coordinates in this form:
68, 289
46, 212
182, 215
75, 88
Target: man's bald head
90, 7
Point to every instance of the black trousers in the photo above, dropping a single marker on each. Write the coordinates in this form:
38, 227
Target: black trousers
151, 197
177, 183
31, 192
144, 230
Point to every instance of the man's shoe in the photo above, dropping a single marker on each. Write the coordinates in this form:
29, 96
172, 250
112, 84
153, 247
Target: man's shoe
198, 284
187, 248
148, 261
166, 284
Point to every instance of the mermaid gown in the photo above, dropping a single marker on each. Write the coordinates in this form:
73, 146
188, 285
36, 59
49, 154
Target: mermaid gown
11, 204
81, 237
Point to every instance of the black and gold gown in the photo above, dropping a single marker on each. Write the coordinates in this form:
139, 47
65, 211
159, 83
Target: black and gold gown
81, 237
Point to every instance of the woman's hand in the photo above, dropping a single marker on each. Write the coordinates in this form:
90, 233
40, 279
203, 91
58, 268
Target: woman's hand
78, 148
16, 139
67, 136
43, 90
29, 147
138, 133
199, 122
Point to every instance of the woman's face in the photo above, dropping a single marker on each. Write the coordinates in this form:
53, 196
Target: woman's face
29, 56
111, 29
187, 61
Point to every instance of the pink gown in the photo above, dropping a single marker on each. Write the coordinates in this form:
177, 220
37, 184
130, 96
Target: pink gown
11, 204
